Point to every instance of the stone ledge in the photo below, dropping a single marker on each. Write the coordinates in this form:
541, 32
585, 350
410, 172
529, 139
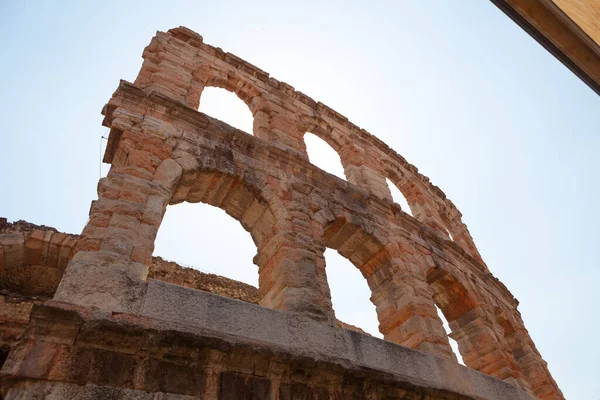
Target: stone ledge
195, 311
213, 347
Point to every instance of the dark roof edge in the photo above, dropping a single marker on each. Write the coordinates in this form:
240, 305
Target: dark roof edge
549, 45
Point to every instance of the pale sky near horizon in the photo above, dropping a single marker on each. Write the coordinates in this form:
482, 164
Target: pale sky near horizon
457, 88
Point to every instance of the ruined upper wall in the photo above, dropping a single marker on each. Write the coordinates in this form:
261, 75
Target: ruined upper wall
179, 65
164, 152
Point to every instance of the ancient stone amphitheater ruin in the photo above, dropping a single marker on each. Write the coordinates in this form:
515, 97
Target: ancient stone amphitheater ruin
94, 316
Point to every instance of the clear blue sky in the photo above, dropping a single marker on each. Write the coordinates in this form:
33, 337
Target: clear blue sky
456, 87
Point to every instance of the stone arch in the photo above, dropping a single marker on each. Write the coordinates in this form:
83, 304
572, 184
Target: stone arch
450, 294
217, 181
291, 277
422, 204
393, 271
322, 130
208, 76
472, 326
398, 197
226, 106
358, 168
201, 234
323, 156
353, 240
251, 199
411, 191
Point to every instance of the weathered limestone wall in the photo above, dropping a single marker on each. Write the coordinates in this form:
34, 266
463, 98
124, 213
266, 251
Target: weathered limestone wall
188, 344
242, 351
164, 152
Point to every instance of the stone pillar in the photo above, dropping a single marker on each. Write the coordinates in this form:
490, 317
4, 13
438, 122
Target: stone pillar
292, 277
360, 172
291, 264
110, 265
404, 301
285, 131
166, 68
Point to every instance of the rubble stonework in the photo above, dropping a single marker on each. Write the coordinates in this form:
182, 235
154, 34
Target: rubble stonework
162, 152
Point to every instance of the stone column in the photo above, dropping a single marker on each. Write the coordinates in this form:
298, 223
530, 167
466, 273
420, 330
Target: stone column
291, 264
292, 278
285, 131
166, 68
362, 172
110, 265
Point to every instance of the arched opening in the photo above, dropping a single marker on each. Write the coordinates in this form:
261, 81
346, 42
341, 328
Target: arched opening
350, 294
453, 342
224, 249
226, 106
352, 291
321, 154
398, 197
458, 306
214, 241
